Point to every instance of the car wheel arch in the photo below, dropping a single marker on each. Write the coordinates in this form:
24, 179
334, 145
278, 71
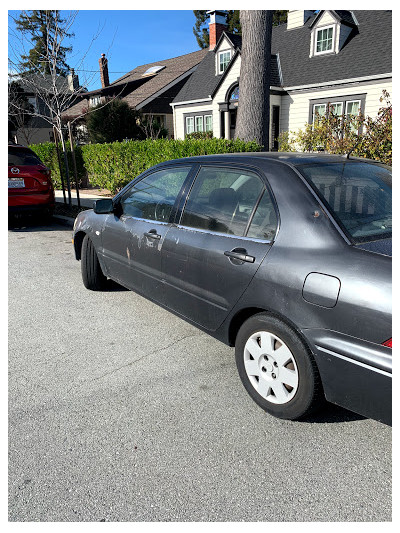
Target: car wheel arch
244, 314
78, 240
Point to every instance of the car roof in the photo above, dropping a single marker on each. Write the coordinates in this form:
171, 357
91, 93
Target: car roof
289, 158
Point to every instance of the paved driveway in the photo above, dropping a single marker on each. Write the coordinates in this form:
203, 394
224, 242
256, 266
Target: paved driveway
120, 411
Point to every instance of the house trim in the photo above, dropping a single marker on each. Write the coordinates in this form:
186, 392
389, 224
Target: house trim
189, 102
340, 82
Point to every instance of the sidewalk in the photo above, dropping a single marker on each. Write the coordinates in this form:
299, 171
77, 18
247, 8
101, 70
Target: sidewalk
86, 196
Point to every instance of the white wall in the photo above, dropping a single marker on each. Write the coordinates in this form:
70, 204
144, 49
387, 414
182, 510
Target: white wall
295, 106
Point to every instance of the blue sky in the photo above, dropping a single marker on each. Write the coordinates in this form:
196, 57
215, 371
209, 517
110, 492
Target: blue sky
128, 38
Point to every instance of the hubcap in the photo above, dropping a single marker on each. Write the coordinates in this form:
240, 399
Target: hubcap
271, 367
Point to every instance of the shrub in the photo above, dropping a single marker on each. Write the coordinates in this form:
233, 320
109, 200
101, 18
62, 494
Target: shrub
48, 154
115, 121
112, 166
199, 135
357, 135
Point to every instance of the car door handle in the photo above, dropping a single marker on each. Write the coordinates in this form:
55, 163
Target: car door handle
241, 254
152, 234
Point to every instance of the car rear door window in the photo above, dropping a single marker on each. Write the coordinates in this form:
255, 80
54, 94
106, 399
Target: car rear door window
154, 196
265, 222
222, 200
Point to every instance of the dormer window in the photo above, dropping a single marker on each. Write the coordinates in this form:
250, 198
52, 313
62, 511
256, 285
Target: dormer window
223, 60
324, 40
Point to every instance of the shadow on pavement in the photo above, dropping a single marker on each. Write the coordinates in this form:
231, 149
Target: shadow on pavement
31, 223
331, 414
113, 286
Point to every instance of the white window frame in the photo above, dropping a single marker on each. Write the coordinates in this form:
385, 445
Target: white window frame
219, 60
205, 122
187, 125
337, 103
313, 114
195, 123
352, 102
333, 26
359, 109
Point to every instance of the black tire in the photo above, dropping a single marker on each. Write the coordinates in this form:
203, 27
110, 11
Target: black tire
265, 373
92, 275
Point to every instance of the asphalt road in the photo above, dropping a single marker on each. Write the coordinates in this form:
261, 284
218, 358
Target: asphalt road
120, 411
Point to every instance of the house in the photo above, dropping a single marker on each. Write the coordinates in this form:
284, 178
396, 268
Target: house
147, 88
39, 88
341, 59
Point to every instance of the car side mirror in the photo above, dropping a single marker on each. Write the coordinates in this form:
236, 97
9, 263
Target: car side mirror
103, 206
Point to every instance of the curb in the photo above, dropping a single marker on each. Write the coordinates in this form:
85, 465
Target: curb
65, 221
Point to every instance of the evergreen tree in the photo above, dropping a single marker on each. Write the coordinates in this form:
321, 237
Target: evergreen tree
112, 122
200, 29
45, 30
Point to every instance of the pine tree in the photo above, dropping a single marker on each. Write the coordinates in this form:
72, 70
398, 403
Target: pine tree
42, 27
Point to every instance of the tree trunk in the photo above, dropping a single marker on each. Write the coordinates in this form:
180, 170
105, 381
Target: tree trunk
64, 149
255, 75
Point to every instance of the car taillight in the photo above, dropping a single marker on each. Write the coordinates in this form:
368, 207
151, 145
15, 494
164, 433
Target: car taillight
388, 343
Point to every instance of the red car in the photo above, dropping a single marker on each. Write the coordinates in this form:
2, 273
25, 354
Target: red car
30, 189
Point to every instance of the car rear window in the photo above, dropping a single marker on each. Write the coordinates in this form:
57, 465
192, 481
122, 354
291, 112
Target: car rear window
359, 196
22, 157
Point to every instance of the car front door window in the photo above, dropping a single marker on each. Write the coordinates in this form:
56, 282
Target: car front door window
153, 197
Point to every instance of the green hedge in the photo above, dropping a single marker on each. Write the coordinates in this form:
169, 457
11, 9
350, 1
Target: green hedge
111, 166
47, 153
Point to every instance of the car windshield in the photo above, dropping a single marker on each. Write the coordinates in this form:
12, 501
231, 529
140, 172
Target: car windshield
22, 157
358, 194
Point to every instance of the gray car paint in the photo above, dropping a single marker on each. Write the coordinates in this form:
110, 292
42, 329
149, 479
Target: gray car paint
308, 241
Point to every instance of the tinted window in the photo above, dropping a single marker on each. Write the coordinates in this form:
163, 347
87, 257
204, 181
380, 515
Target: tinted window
358, 194
222, 200
154, 196
265, 222
22, 157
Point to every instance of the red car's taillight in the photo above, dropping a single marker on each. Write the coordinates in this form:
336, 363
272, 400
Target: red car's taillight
388, 343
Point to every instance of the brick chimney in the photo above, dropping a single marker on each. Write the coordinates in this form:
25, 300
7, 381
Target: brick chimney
216, 26
103, 63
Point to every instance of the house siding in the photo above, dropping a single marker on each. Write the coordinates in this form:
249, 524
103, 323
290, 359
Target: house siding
295, 106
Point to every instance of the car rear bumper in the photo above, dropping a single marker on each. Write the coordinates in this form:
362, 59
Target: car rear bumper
355, 374
33, 201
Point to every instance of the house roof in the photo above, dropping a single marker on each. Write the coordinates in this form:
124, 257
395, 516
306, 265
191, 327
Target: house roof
44, 83
203, 82
174, 69
139, 90
345, 17
367, 51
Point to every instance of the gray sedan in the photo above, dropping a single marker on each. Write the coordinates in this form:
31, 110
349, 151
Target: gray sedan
287, 257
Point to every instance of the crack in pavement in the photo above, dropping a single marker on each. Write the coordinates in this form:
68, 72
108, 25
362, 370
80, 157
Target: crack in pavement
126, 365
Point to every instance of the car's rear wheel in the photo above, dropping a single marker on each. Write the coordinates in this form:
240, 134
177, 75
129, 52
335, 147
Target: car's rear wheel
92, 275
277, 369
